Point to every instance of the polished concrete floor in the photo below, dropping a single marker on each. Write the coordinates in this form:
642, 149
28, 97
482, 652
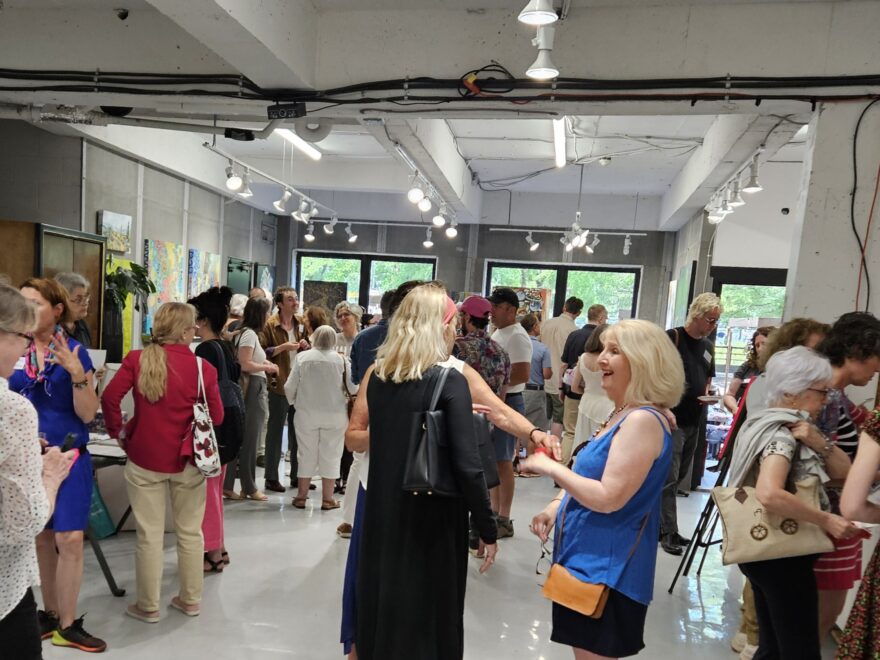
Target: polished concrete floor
280, 596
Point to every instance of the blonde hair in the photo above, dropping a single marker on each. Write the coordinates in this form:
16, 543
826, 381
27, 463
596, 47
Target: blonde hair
702, 305
416, 338
171, 321
17, 313
656, 371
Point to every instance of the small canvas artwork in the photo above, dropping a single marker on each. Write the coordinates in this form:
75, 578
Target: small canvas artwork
325, 294
204, 271
117, 228
670, 304
166, 266
265, 278
128, 312
531, 301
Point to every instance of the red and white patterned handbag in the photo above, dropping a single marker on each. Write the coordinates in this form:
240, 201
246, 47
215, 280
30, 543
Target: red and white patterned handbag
206, 453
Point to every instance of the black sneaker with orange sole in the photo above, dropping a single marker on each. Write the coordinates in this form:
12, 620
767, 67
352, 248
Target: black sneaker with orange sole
75, 636
48, 623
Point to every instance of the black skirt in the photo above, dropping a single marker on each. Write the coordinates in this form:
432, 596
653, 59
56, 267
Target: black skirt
619, 633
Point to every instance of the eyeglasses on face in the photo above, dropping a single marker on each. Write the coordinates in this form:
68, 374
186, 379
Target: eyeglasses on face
817, 390
28, 338
81, 300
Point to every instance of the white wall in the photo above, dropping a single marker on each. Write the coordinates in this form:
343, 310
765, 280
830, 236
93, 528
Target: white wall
758, 235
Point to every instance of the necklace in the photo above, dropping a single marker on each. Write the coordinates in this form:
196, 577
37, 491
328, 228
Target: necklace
610, 417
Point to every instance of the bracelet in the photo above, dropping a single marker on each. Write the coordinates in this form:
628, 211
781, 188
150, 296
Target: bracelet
827, 449
556, 499
532, 433
82, 384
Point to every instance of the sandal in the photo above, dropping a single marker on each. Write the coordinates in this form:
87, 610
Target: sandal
299, 502
189, 610
257, 496
225, 556
136, 612
329, 505
215, 566
232, 495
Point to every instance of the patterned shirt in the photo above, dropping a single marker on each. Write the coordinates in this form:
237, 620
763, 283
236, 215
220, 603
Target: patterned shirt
486, 357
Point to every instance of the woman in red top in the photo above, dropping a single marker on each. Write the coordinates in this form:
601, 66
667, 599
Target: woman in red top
164, 379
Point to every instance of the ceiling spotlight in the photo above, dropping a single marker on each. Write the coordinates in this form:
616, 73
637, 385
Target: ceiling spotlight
559, 141
328, 228
314, 211
531, 241
592, 246
753, 185
246, 191
714, 217
302, 211
736, 198
310, 233
451, 231
538, 12
233, 180
604, 160
725, 209
424, 204
438, 220
566, 240
415, 193
627, 243
351, 237
543, 68
281, 204
428, 243
299, 143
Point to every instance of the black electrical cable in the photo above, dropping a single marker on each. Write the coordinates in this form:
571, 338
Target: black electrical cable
852, 206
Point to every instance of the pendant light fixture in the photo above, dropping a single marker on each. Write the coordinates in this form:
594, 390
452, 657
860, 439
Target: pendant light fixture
428, 243
753, 184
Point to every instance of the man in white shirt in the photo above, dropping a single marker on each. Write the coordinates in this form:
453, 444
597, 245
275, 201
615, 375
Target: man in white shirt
513, 339
554, 332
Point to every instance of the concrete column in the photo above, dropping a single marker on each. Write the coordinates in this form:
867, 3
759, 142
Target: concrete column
824, 265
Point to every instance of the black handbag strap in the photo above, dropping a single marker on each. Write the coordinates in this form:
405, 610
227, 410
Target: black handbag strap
223, 371
438, 387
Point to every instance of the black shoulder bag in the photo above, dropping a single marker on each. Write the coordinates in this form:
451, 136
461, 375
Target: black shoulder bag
230, 433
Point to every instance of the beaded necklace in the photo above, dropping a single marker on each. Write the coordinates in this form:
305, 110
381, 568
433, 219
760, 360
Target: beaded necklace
610, 417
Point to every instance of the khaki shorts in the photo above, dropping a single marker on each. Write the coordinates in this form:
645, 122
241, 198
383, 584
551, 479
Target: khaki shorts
554, 408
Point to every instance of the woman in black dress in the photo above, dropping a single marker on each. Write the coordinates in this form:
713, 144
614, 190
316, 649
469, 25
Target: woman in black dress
414, 553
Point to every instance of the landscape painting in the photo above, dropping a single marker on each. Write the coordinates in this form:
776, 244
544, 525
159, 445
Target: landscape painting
117, 228
204, 271
166, 265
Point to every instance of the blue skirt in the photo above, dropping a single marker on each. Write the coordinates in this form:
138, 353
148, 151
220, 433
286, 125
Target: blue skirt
349, 601
74, 497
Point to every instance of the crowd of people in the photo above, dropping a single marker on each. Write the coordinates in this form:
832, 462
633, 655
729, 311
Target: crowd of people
611, 412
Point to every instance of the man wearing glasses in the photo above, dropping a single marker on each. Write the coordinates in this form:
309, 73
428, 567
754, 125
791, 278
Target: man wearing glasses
698, 357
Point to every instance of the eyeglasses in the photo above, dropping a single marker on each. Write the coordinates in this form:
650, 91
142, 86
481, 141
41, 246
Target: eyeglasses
81, 300
710, 321
28, 338
824, 392
544, 561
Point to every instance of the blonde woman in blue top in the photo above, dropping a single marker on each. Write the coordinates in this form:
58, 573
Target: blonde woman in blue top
610, 503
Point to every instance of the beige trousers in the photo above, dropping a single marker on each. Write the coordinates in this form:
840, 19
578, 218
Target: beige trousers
146, 493
569, 423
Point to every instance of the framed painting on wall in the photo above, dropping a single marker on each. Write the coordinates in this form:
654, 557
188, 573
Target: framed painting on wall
324, 294
204, 271
265, 277
238, 275
117, 228
165, 263
531, 301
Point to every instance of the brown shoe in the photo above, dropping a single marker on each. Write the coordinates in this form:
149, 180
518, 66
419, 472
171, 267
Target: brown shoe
275, 486
329, 505
344, 530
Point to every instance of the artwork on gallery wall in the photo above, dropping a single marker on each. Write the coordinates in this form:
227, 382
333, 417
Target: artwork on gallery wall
128, 311
265, 277
324, 294
531, 301
670, 304
165, 263
204, 271
238, 275
117, 228
684, 292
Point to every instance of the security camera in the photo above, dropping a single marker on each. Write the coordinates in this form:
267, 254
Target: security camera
785, 211
121, 13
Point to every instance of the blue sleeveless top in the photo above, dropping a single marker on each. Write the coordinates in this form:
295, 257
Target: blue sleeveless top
595, 546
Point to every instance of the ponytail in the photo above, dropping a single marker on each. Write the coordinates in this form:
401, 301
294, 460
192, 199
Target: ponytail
154, 373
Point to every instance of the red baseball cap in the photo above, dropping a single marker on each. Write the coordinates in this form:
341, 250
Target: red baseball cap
476, 306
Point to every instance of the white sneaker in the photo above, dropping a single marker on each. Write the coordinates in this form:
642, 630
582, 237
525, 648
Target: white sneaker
748, 652
739, 641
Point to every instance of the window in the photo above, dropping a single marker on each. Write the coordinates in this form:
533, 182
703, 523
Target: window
530, 278
366, 277
327, 269
614, 289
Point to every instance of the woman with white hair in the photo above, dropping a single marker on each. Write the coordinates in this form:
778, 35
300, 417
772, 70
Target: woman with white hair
316, 387
348, 319
778, 447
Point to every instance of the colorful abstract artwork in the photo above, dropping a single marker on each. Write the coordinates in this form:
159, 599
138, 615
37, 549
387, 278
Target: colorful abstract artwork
531, 301
117, 228
166, 265
204, 271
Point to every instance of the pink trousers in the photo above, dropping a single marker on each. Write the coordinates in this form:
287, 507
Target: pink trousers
212, 523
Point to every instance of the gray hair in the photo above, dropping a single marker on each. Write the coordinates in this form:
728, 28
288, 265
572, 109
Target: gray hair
17, 313
72, 281
355, 310
793, 372
236, 305
324, 338
704, 304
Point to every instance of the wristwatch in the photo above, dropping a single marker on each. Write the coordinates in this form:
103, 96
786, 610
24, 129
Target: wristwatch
82, 384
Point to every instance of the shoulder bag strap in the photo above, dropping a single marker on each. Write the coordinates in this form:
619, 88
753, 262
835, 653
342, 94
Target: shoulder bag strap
202, 394
222, 372
345, 391
438, 387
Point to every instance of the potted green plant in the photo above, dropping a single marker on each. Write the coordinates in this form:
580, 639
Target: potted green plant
118, 286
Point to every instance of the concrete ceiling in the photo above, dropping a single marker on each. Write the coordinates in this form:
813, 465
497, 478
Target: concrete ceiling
675, 154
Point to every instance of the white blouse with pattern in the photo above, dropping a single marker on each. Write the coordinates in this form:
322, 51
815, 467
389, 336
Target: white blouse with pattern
24, 508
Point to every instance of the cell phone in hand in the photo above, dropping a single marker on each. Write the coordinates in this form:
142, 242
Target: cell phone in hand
69, 441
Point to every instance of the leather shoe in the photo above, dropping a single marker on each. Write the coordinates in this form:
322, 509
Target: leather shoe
670, 546
679, 539
275, 486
